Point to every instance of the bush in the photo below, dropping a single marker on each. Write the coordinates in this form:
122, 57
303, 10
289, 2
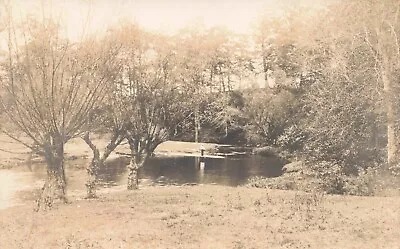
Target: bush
283, 182
266, 151
363, 184
288, 181
330, 177
324, 177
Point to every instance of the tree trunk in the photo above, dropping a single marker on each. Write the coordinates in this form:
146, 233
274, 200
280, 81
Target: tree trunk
98, 161
196, 126
264, 63
226, 129
55, 185
92, 168
91, 183
133, 179
389, 101
137, 161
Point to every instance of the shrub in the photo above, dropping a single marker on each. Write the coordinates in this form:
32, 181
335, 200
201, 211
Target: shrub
330, 177
283, 182
363, 184
326, 177
266, 151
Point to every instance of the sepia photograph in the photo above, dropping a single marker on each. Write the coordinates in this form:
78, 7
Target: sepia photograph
210, 124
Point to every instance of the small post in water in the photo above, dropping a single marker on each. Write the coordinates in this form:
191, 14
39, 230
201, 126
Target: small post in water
202, 163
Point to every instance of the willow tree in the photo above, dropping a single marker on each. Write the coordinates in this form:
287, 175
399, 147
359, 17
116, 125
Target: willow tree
107, 116
149, 95
48, 92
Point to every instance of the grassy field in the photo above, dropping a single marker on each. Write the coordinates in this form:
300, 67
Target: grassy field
204, 216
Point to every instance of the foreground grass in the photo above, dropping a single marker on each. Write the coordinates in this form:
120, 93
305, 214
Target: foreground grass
207, 217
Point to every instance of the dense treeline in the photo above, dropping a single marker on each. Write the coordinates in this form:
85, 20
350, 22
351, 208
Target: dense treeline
321, 86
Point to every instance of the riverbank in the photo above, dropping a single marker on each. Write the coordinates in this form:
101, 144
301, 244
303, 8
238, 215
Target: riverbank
206, 216
13, 154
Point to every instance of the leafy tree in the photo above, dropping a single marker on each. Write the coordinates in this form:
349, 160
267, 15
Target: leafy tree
270, 115
331, 76
48, 92
194, 72
358, 63
380, 35
225, 115
148, 94
107, 116
213, 62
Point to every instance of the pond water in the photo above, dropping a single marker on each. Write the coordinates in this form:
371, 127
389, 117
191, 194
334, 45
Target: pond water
230, 171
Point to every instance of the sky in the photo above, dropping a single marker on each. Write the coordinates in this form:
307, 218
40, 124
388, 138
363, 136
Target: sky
168, 16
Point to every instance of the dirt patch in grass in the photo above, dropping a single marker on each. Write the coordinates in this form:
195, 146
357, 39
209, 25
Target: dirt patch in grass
207, 217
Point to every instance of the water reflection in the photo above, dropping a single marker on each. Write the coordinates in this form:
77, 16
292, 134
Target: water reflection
231, 171
8, 182
12, 181
114, 171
